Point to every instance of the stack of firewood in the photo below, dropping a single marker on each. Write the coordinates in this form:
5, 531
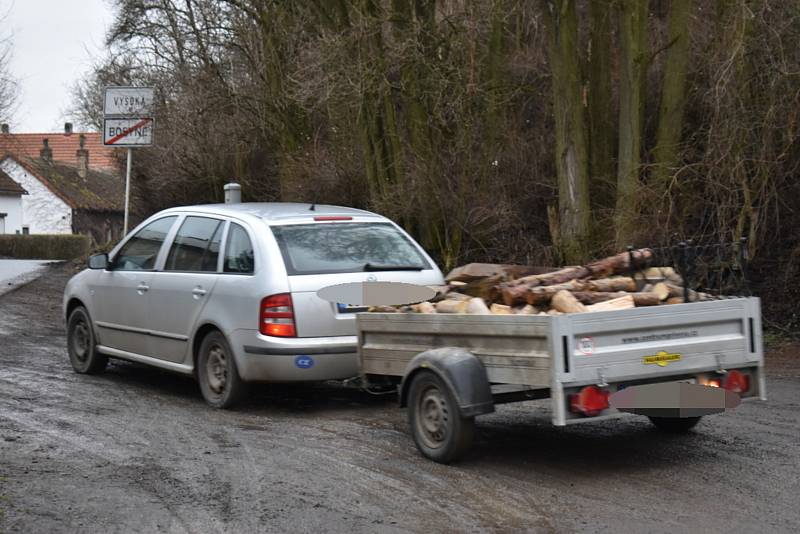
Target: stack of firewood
611, 283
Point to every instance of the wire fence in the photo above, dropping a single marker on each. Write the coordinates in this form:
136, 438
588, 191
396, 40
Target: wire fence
716, 269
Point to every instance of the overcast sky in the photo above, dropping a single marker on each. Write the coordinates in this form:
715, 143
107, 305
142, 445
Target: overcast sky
53, 44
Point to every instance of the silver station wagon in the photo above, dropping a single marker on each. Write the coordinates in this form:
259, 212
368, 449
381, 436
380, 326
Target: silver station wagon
228, 293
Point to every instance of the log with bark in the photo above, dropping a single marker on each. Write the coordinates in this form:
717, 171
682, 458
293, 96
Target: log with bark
611, 283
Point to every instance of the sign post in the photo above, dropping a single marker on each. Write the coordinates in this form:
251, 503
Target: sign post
128, 121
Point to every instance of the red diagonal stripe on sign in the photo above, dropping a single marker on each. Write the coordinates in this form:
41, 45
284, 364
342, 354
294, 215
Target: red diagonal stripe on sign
133, 128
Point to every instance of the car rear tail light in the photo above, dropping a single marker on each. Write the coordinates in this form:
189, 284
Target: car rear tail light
277, 316
590, 401
736, 381
332, 218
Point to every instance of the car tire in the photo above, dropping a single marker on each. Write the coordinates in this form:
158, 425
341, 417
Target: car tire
81, 344
675, 425
219, 379
438, 429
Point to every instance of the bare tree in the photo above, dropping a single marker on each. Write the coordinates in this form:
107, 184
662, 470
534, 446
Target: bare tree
8, 85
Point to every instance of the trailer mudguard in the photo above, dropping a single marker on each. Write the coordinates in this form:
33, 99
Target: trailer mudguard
463, 373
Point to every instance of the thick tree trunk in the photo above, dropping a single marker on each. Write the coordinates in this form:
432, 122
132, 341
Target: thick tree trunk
633, 65
602, 128
572, 163
673, 95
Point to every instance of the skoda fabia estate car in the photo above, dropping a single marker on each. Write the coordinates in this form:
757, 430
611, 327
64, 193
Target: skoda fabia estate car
228, 293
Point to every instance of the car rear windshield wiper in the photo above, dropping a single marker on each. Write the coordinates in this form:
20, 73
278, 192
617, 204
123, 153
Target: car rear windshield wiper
379, 267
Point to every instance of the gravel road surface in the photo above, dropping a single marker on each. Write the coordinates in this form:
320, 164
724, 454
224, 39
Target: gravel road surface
137, 450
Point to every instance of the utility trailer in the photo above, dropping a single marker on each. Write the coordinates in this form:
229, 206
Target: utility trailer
451, 368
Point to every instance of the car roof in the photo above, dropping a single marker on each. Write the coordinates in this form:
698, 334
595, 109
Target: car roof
275, 211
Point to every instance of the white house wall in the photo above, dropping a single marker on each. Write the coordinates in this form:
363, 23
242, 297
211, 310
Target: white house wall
42, 211
11, 205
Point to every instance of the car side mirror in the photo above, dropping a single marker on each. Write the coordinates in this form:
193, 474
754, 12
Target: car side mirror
98, 261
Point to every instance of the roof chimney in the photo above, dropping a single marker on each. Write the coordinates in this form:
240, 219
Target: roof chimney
46, 152
4, 128
83, 157
67, 128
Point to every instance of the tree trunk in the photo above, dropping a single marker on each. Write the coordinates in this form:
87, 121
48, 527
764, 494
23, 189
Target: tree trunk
673, 96
602, 129
633, 65
572, 164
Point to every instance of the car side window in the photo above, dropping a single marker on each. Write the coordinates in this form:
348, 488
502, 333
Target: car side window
196, 246
141, 251
239, 257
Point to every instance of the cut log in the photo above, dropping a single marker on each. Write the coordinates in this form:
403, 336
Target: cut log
452, 306
514, 292
674, 300
662, 290
456, 283
500, 309
485, 288
565, 302
477, 306
475, 271
594, 297
540, 295
424, 307
621, 303
619, 283
526, 310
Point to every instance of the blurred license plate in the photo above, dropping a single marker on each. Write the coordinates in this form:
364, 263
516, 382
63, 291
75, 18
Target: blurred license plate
349, 308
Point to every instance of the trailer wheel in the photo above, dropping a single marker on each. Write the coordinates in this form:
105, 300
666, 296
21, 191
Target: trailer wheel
675, 425
439, 430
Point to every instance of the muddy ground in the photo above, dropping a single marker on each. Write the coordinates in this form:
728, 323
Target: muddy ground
137, 450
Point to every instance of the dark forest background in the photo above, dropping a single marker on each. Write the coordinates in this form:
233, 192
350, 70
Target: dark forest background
515, 131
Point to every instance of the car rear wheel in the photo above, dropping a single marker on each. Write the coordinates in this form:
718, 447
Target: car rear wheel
219, 379
81, 344
675, 425
439, 430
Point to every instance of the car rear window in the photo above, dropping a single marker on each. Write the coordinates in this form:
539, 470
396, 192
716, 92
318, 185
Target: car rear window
345, 247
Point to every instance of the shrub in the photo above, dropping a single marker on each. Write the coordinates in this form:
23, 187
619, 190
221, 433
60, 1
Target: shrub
44, 246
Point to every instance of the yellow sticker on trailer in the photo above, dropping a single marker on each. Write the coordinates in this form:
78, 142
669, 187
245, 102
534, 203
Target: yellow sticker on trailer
661, 358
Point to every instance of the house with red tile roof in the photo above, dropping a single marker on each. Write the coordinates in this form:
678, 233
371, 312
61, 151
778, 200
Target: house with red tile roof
60, 184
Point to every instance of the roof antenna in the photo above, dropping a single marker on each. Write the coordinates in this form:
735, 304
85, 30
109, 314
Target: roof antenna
312, 207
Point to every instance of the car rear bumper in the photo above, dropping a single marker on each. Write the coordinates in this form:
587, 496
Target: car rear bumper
267, 359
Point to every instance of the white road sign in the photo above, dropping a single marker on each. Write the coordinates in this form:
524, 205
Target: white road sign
128, 101
128, 132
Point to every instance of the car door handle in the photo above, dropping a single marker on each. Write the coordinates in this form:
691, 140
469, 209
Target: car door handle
198, 291
142, 288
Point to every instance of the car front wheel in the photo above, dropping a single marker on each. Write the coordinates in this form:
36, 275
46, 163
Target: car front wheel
219, 379
81, 344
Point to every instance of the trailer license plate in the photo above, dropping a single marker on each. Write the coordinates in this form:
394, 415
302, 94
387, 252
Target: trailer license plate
661, 358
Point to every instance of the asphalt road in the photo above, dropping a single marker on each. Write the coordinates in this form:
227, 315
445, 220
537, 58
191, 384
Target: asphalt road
137, 450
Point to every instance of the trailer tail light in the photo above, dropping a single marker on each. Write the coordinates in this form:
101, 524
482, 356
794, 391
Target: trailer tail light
736, 381
590, 401
277, 316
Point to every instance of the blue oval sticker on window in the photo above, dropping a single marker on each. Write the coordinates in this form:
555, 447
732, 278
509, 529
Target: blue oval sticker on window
304, 362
